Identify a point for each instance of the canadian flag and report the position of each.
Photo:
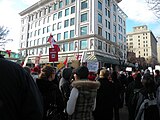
(66, 61)
(8, 52)
(52, 41)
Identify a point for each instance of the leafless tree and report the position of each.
(154, 5)
(3, 33)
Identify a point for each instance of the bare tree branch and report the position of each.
(154, 6)
(3, 34)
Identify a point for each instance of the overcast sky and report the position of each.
(137, 11)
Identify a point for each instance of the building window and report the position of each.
(106, 48)
(71, 21)
(65, 47)
(109, 25)
(55, 6)
(99, 31)
(72, 1)
(114, 17)
(44, 20)
(71, 46)
(60, 4)
(60, 14)
(59, 25)
(109, 36)
(106, 11)
(84, 17)
(99, 18)
(54, 27)
(66, 23)
(66, 11)
(83, 44)
(83, 5)
(114, 7)
(72, 9)
(106, 23)
(39, 31)
(114, 28)
(106, 35)
(40, 13)
(48, 29)
(99, 5)
(55, 16)
(114, 38)
(58, 36)
(71, 33)
(35, 32)
(109, 14)
(66, 2)
(66, 35)
(44, 30)
(99, 45)
(83, 30)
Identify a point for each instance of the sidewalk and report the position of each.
(123, 113)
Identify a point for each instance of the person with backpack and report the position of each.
(146, 107)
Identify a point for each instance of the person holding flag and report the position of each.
(52, 41)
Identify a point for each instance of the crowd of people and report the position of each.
(71, 94)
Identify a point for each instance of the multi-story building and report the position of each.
(97, 27)
(143, 43)
(158, 49)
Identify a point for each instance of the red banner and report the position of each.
(53, 55)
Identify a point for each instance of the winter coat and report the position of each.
(65, 85)
(51, 95)
(105, 100)
(84, 104)
(20, 98)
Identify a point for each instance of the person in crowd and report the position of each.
(35, 73)
(129, 78)
(118, 89)
(97, 74)
(157, 77)
(132, 89)
(105, 97)
(83, 95)
(148, 89)
(122, 78)
(27, 68)
(20, 98)
(65, 84)
(49, 90)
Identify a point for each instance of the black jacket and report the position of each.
(19, 96)
(105, 100)
(51, 95)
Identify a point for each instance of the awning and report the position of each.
(102, 59)
(70, 58)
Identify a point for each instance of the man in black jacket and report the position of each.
(19, 95)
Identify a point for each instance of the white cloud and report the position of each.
(11, 20)
(138, 10)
